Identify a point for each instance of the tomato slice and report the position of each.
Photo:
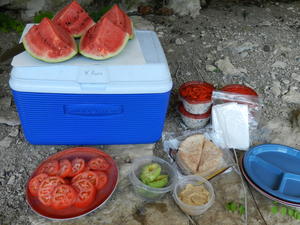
(65, 168)
(35, 183)
(89, 175)
(86, 193)
(46, 188)
(98, 163)
(51, 168)
(102, 179)
(63, 196)
(78, 165)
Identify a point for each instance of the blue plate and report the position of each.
(275, 169)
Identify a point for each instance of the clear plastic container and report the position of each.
(193, 120)
(146, 192)
(194, 180)
(196, 96)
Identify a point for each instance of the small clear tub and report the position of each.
(196, 96)
(194, 180)
(146, 192)
(193, 120)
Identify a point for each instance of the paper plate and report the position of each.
(73, 212)
(275, 169)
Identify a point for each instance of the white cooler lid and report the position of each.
(140, 68)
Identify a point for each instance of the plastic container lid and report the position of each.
(196, 92)
(239, 89)
(194, 116)
(275, 169)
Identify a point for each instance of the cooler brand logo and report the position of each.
(92, 76)
(93, 109)
(93, 73)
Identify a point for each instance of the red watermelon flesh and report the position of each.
(120, 19)
(74, 19)
(103, 40)
(49, 42)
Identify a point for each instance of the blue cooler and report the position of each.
(122, 100)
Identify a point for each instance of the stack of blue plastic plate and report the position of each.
(274, 171)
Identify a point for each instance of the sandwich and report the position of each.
(198, 155)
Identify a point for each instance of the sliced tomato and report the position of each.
(35, 183)
(78, 165)
(89, 175)
(65, 168)
(63, 196)
(98, 163)
(51, 168)
(86, 193)
(102, 179)
(46, 188)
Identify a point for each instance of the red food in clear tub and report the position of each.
(196, 96)
(194, 120)
(239, 89)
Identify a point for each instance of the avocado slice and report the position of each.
(160, 182)
(150, 172)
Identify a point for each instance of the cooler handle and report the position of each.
(93, 109)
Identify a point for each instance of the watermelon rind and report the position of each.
(132, 35)
(82, 52)
(46, 59)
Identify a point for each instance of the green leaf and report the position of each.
(283, 211)
(274, 209)
(291, 212)
(275, 203)
(295, 214)
(42, 14)
(298, 216)
(242, 210)
(234, 207)
(228, 206)
(96, 15)
(8, 24)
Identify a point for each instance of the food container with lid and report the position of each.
(196, 181)
(196, 96)
(193, 120)
(144, 191)
(239, 89)
(121, 100)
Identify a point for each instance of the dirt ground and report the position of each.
(262, 44)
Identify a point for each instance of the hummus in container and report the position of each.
(193, 120)
(194, 194)
(196, 96)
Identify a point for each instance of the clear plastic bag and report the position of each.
(217, 161)
(235, 119)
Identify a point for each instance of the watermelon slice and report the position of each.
(74, 19)
(120, 19)
(49, 42)
(103, 40)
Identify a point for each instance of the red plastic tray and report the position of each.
(102, 196)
